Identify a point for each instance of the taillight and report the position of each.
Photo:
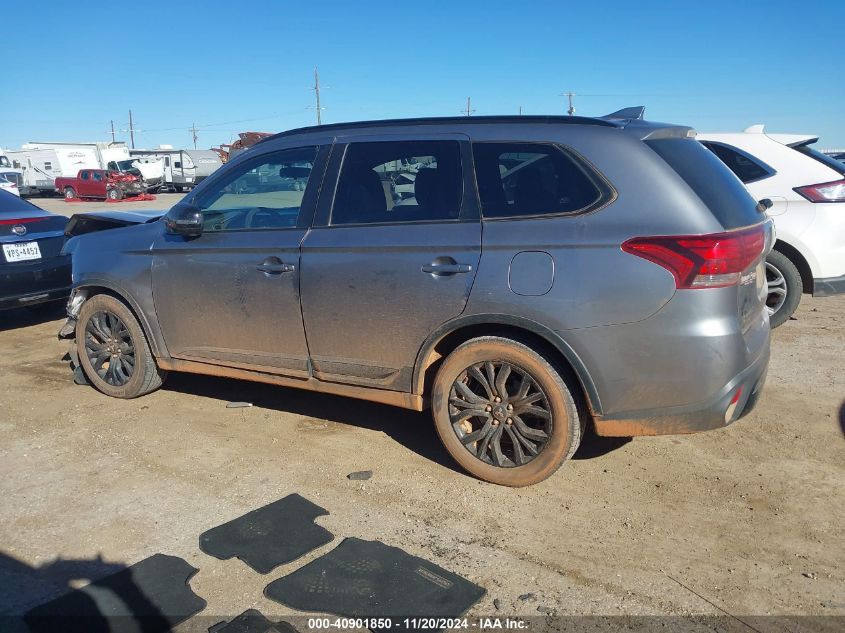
(703, 261)
(22, 221)
(824, 192)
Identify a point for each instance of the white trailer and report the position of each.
(41, 163)
(180, 172)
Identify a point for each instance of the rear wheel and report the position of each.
(70, 194)
(504, 413)
(113, 350)
(784, 286)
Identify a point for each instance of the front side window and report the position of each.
(97, 176)
(263, 193)
(399, 181)
(529, 179)
(742, 165)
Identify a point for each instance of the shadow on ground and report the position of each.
(28, 317)
(842, 417)
(413, 430)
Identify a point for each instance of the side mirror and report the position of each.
(764, 205)
(184, 219)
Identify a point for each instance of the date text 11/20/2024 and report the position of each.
(418, 623)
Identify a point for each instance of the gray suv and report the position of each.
(521, 276)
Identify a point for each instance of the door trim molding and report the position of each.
(395, 398)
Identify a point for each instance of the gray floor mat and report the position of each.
(252, 621)
(277, 533)
(152, 595)
(370, 579)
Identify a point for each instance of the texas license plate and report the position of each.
(21, 251)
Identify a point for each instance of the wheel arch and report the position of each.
(104, 286)
(794, 255)
(453, 333)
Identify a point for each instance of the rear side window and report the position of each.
(710, 179)
(746, 168)
(399, 181)
(531, 179)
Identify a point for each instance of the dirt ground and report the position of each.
(746, 521)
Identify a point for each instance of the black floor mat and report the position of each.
(252, 621)
(370, 579)
(265, 538)
(152, 595)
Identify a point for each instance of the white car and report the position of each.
(11, 187)
(807, 190)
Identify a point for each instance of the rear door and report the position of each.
(383, 266)
(231, 296)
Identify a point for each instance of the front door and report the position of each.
(231, 296)
(391, 259)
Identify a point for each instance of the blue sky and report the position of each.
(71, 67)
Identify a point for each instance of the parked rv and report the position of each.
(177, 172)
(41, 163)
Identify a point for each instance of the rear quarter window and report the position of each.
(744, 166)
(718, 188)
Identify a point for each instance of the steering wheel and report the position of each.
(250, 216)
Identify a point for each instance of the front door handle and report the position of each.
(445, 266)
(275, 266)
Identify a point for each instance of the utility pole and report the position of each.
(317, 93)
(131, 131)
(469, 109)
(194, 133)
(520, 110)
(112, 131)
(571, 109)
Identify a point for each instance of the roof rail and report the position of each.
(463, 120)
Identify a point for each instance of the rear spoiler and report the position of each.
(625, 114)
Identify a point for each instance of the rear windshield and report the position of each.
(710, 179)
(828, 161)
(10, 204)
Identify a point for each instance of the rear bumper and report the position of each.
(30, 284)
(717, 412)
(829, 286)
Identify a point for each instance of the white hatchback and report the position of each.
(807, 190)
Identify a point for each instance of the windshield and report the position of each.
(123, 165)
(4, 162)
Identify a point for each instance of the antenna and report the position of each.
(569, 94)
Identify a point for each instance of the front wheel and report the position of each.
(113, 350)
(784, 287)
(504, 413)
(115, 193)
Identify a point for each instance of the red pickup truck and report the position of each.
(100, 183)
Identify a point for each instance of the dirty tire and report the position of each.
(115, 193)
(566, 425)
(146, 376)
(781, 270)
(70, 194)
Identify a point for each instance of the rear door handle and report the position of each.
(446, 268)
(275, 266)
